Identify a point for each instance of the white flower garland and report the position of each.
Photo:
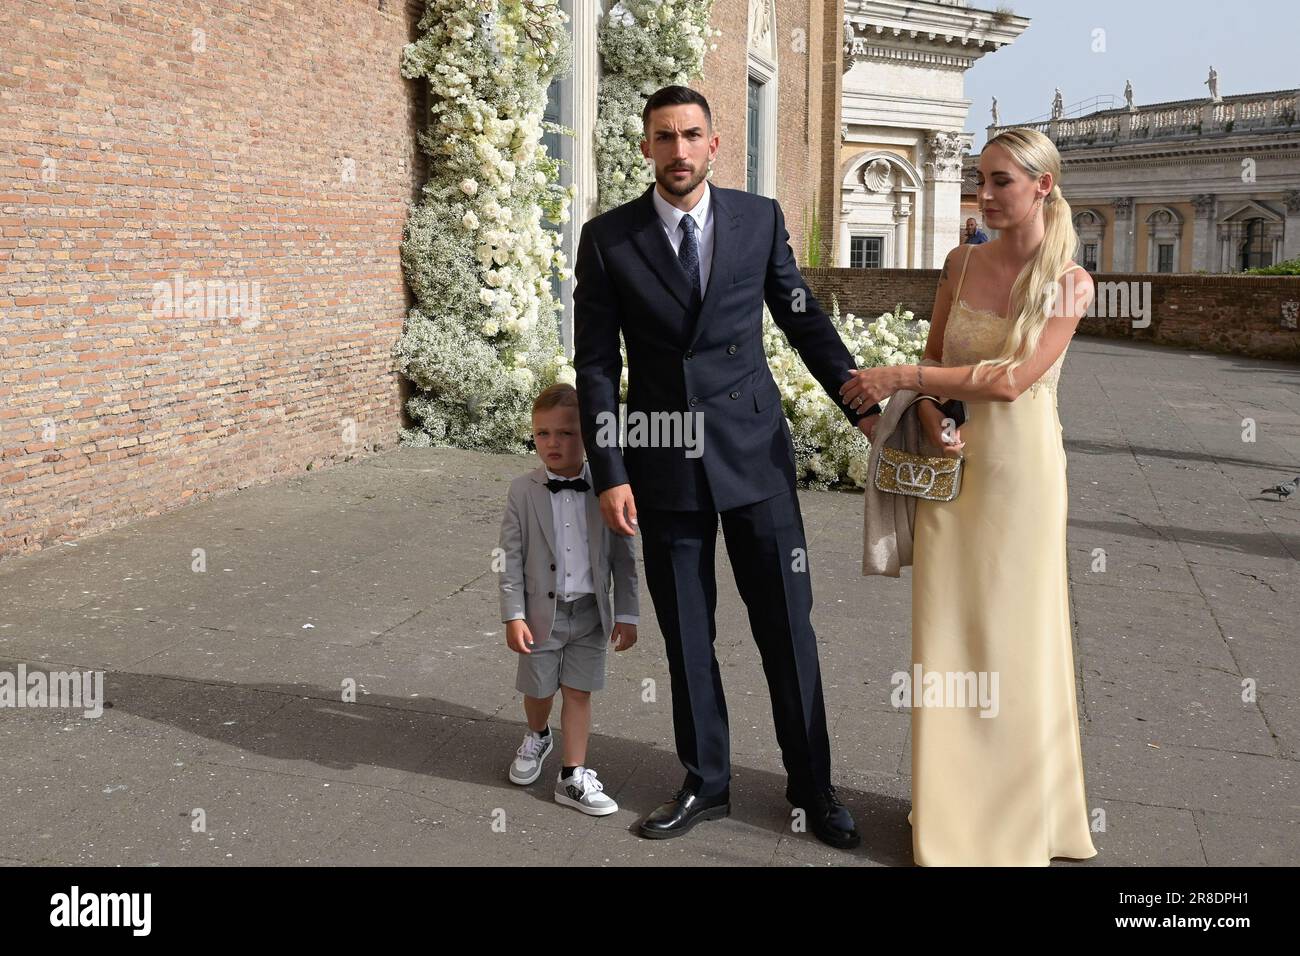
(483, 338)
(827, 449)
(644, 45)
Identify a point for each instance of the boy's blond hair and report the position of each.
(559, 395)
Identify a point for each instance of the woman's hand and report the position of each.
(932, 419)
(867, 386)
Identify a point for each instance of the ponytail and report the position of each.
(1034, 293)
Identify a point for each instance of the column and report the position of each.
(1203, 251)
(582, 83)
(1122, 247)
(942, 210)
(901, 216)
(1291, 238)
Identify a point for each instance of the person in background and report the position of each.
(974, 234)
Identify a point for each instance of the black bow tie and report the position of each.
(573, 484)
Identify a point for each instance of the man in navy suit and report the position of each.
(683, 272)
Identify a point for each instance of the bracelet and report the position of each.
(920, 382)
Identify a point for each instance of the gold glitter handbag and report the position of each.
(902, 472)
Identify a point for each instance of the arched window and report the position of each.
(1089, 227)
(1164, 240)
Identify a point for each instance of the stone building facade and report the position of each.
(903, 115)
(1206, 185)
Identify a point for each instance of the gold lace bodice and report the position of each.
(972, 335)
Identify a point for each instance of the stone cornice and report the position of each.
(936, 35)
(939, 24)
(944, 59)
(1171, 154)
(1113, 159)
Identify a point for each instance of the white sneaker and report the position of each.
(584, 792)
(527, 765)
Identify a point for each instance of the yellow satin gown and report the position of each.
(990, 593)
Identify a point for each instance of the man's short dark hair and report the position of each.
(675, 96)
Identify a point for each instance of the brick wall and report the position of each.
(264, 143)
(1230, 314)
(804, 133)
(868, 292)
(723, 85)
(832, 151)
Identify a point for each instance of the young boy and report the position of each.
(559, 559)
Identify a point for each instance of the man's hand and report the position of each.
(618, 509)
(518, 637)
(867, 424)
(623, 636)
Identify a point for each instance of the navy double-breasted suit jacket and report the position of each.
(707, 359)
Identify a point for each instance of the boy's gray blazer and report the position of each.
(528, 579)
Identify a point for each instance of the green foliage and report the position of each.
(812, 239)
(1288, 267)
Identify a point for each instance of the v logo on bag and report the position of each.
(915, 477)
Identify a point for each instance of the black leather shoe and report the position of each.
(682, 812)
(828, 819)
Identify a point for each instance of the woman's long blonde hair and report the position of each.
(1034, 293)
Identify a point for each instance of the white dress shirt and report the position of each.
(572, 559)
(702, 213)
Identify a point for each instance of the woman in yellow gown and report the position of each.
(997, 779)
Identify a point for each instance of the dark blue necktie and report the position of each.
(689, 256)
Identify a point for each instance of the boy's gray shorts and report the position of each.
(573, 654)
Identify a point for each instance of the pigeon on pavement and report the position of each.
(1285, 490)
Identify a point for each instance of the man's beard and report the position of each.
(681, 189)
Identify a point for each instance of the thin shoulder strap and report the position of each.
(964, 263)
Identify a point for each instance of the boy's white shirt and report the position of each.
(571, 529)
